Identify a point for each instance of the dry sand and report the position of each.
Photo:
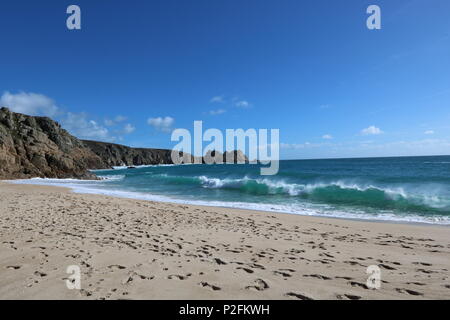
(130, 249)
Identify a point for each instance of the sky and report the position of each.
(312, 69)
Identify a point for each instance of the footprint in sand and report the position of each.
(219, 261)
(408, 291)
(387, 267)
(282, 273)
(318, 276)
(245, 269)
(13, 267)
(178, 276)
(116, 266)
(345, 278)
(257, 266)
(348, 297)
(423, 264)
(357, 284)
(298, 296)
(209, 286)
(260, 285)
(416, 283)
(133, 275)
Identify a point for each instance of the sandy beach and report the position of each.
(131, 249)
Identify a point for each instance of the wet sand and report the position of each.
(132, 249)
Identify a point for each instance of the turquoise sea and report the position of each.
(413, 189)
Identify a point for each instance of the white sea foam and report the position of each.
(429, 195)
(115, 177)
(139, 167)
(95, 187)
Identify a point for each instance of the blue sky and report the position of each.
(309, 68)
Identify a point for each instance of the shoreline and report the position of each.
(138, 249)
(210, 204)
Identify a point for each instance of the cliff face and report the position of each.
(39, 147)
(119, 155)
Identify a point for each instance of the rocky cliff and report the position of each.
(118, 155)
(39, 147)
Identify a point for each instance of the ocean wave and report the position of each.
(437, 162)
(344, 192)
(305, 209)
(339, 192)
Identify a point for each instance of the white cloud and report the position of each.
(162, 124)
(235, 101)
(217, 99)
(33, 104)
(117, 119)
(120, 118)
(294, 145)
(291, 146)
(80, 126)
(429, 132)
(217, 112)
(128, 128)
(109, 122)
(372, 130)
(403, 148)
(305, 146)
(327, 136)
(242, 104)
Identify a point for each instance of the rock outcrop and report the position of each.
(236, 156)
(39, 147)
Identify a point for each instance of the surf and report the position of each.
(399, 189)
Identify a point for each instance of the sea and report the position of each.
(400, 189)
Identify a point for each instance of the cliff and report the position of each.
(118, 155)
(39, 147)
